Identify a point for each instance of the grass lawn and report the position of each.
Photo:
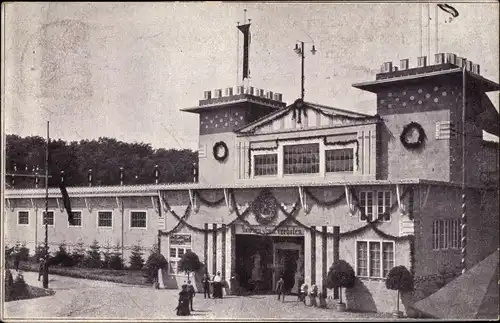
(133, 277)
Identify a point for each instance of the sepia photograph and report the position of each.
(250, 161)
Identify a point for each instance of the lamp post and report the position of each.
(301, 52)
(46, 267)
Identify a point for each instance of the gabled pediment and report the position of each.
(302, 115)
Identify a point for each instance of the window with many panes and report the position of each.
(446, 234)
(265, 164)
(23, 217)
(138, 219)
(104, 219)
(49, 217)
(375, 204)
(77, 219)
(339, 160)
(179, 244)
(374, 258)
(366, 205)
(301, 159)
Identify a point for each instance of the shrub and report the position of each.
(9, 281)
(116, 260)
(107, 256)
(24, 253)
(61, 257)
(19, 288)
(78, 255)
(136, 260)
(39, 252)
(154, 262)
(340, 275)
(93, 258)
(400, 279)
(189, 263)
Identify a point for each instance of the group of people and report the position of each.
(303, 291)
(186, 295)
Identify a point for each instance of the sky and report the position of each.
(124, 70)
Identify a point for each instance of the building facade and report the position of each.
(285, 190)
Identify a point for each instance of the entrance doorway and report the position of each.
(261, 260)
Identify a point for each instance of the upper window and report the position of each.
(137, 219)
(49, 218)
(339, 160)
(374, 258)
(380, 207)
(23, 217)
(301, 159)
(366, 204)
(266, 164)
(104, 219)
(77, 219)
(384, 205)
(446, 234)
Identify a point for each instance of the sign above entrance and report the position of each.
(180, 239)
(261, 229)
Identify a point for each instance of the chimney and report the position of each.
(262, 93)
(461, 61)
(229, 91)
(476, 69)
(240, 90)
(269, 95)
(386, 67)
(207, 95)
(468, 66)
(404, 64)
(451, 58)
(251, 90)
(217, 93)
(422, 61)
(395, 69)
(439, 59)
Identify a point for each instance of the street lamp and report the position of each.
(300, 51)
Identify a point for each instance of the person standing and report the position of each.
(41, 267)
(192, 293)
(303, 292)
(280, 289)
(17, 260)
(217, 286)
(206, 286)
(183, 305)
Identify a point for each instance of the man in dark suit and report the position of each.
(192, 292)
(280, 289)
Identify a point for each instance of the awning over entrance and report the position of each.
(472, 295)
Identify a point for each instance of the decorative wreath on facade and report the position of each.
(265, 208)
(220, 151)
(412, 136)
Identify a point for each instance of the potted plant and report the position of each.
(340, 275)
(189, 263)
(401, 280)
(155, 262)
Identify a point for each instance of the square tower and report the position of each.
(421, 108)
(220, 114)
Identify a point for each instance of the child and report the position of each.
(303, 292)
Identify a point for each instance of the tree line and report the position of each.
(104, 156)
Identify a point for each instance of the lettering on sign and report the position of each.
(180, 239)
(282, 231)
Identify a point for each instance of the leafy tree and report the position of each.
(189, 263)
(340, 275)
(93, 259)
(154, 262)
(61, 257)
(400, 279)
(136, 260)
(116, 260)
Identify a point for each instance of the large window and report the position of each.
(374, 258)
(266, 164)
(49, 218)
(301, 159)
(179, 244)
(446, 234)
(77, 219)
(23, 217)
(366, 204)
(339, 160)
(138, 219)
(105, 219)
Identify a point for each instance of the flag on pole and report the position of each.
(449, 9)
(66, 202)
(245, 29)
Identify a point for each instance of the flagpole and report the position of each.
(463, 241)
(428, 32)
(46, 267)
(420, 30)
(436, 24)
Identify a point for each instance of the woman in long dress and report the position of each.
(183, 306)
(217, 286)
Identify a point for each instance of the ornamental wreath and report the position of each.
(265, 208)
(406, 130)
(220, 144)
